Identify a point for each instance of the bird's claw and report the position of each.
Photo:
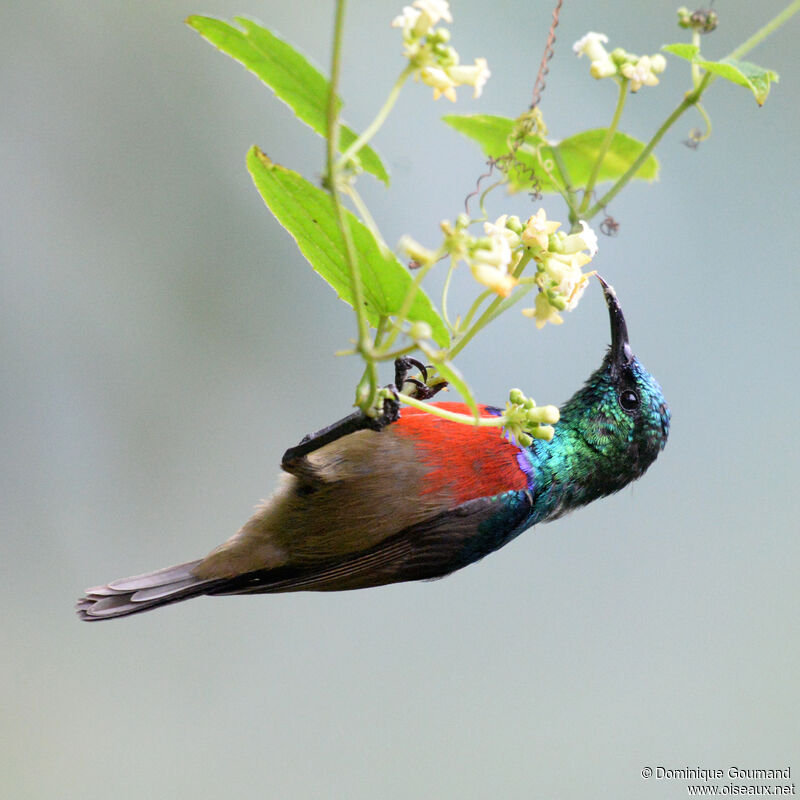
(403, 365)
(390, 412)
(420, 388)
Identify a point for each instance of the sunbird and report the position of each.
(421, 496)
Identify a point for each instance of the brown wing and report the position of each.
(359, 492)
(429, 549)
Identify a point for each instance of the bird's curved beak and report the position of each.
(621, 353)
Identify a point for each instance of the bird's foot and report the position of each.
(414, 387)
(292, 460)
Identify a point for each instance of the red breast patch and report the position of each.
(464, 461)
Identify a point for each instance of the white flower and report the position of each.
(435, 10)
(640, 74)
(476, 75)
(415, 251)
(497, 254)
(538, 229)
(658, 63)
(407, 20)
(585, 240)
(563, 276)
(499, 229)
(575, 291)
(543, 312)
(590, 238)
(490, 264)
(592, 45)
(498, 280)
(440, 82)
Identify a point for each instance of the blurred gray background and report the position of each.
(163, 342)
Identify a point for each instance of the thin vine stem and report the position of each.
(487, 315)
(367, 386)
(561, 166)
(766, 30)
(376, 123)
(408, 301)
(473, 309)
(445, 291)
(366, 216)
(607, 139)
(688, 101)
(453, 416)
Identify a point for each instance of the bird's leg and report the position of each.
(293, 460)
(419, 388)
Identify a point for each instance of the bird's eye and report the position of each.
(629, 399)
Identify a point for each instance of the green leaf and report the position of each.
(287, 72)
(578, 153)
(492, 133)
(682, 50)
(742, 73)
(308, 214)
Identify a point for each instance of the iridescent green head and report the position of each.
(619, 418)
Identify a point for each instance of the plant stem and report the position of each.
(537, 153)
(688, 101)
(445, 292)
(762, 33)
(481, 298)
(696, 76)
(464, 419)
(487, 315)
(365, 395)
(513, 299)
(381, 330)
(610, 131)
(376, 123)
(366, 216)
(408, 301)
(565, 177)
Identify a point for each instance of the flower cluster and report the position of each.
(493, 259)
(525, 421)
(639, 70)
(559, 259)
(426, 47)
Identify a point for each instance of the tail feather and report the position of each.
(142, 592)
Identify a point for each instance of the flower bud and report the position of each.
(513, 223)
(545, 432)
(619, 55)
(544, 414)
(557, 301)
(420, 330)
(603, 68)
(658, 63)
